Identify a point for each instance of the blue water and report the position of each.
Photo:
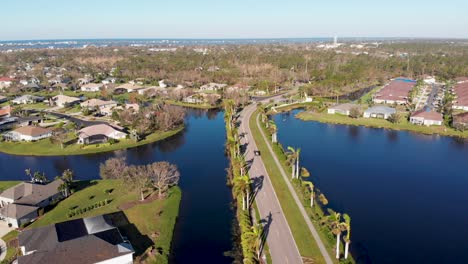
(203, 230)
(407, 194)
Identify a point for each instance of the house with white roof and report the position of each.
(92, 87)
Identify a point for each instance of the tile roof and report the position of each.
(397, 89)
(100, 129)
(428, 115)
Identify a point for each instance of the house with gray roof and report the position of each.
(380, 111)
(19, 204)
(27, 99)
(343, 109)
(86, 240)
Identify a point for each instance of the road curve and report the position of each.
(283, 248)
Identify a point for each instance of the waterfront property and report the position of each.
(28, 133)
(426, 117)
(99, 134)
(460, 121)
(343, 109)
(86, 240)
(213, 87)
(461, 95)
(127, 88)
(19, 204)
(380, 111)
(396, 92)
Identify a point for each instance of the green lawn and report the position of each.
(7, 184)
(146, 219)
(200, 106)
(11, 251)
(380, 123)
(46, 148)
(304, 239)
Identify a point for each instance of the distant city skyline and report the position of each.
(210, 19)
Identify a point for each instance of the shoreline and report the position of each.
(152, 138)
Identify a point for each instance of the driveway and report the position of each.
(4, 229)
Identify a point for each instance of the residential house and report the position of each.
(28, 133)
(3, 99)
(86, 241)
(29, 120)
(27, 99)
(19, 204)
(99, 134)
(152, 91)
(91, 87)
(461, 95)
(343, 109)
(5, 82)
(109, 80)
(426, 117)
(379, 112)
(98, 104)
(31, 87)
(5, 111)
(64, 100)
(396, 92)
(194, 99)
(460, 121)
(129, 88)
(212, 87)
(85, 80)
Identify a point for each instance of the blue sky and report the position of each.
(65, 19)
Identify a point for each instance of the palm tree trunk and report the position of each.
(312, 200)
(243, 202)
(273, 138)
(346, 250)
(248, 198)
(338, 246)
(293, 167)
(142, 194)
(297, 167)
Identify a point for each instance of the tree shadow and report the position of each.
(140, 242)
(266, 222)
(81, 185)
(257, 184)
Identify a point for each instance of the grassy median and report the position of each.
(304, 239)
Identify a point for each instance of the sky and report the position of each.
(81, 19)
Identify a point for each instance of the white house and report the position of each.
(343, 109)
(427, 118)
(97, 104)
(99, 134)
(129, 88)
(63, 100)
(109, 80)
(5, 82)
(28, 133)
(212, 87)
(379, 112)
(91, 87)
(27, 99)
(85, 240)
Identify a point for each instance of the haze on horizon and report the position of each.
(56, 19)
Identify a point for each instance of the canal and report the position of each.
(407, 194)
(203, 230)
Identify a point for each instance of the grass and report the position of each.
(304, 240)
(151, 224)
(46, 148)
(380, 123)
(200, 106)
(11, 251)
(7, 184)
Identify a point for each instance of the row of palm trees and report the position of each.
(334, 219)
(251, 235)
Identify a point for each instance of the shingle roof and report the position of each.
(428, 115)
(397, 89)
(100, 129)
(344, 107)
(27, 193)
(74, 241)
(32, 131)
(381, 109)
(17, 211)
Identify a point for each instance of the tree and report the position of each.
(113, 168)
(336, 226)
(138, 177)
(255, 239)
(59, 138)
(394, 118)
(163, 175)
(354, 112)
(67, 178)
(242, 188)
(291, 159)
(273, 131)
(39, 177)
(311, 190)
(347, 226)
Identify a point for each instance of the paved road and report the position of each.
(283, 248)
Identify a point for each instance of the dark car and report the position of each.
(257, 152)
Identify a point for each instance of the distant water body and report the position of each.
(81, 43)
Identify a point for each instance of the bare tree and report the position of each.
(113, 168)
(163, 175)
(137, 177)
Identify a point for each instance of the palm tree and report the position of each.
(67, 178)
(255, 239)
(39, 177)
(263, 112)
(242, 188)
(273, 131)
(311, 190)
(291, 160)
(347, 226)
(294, 161)
(29, 174)
(336, 228)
